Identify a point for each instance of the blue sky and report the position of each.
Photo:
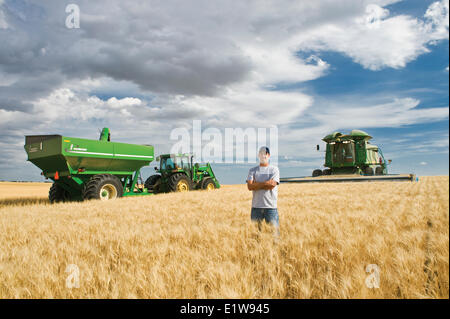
(310, 68)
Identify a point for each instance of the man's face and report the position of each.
(263, 157)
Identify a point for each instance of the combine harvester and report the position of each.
(351, 158)
(83, 169)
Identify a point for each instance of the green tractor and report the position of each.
(178, 173)
(352, 154)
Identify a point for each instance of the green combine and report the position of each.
(351, 158)
(352, 154)
(84, 169)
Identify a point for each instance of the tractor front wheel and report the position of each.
(153, 184)
(58, 194)
(179, 183)
(316, 173)
(208, 184)
(103, 187)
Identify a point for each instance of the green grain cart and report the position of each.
(352, 154)
(85, 169)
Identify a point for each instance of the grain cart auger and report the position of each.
(351, 158)
(178, 173)
(83, 169)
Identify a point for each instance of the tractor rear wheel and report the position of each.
(58, 194)
(379, 170)
(317, 172)
(208, 184)
(103, 187)
(153, 183)
(368, 171)
(179, 183)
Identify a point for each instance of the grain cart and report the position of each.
(83, 169)
(351, 158)
(178, 173)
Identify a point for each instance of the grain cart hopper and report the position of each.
(84, 169)
(350, 158)
(178, 173)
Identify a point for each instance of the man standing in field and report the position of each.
(263, 181)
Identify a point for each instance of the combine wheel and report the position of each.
(153, 183)
(208, 184)
(317, 172)
(326, 171)
(379, 170)
(103, 187)
(58, 194)
(368, 171)
(179, 183)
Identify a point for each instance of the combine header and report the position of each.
(351, 158)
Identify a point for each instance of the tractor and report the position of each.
(178, 173)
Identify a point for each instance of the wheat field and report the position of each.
(202, 244)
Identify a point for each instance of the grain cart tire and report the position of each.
(103, 187)
(208, 184)
(379, 170)
(179, 183)
(317, 172)
(153, 183)
(58, 194)
(326, 171)
(368, 171)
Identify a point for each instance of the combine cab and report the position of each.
(178, 173)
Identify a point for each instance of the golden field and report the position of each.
(202, 244)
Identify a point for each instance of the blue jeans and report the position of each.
(270, 215)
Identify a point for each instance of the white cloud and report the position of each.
(376, 40)
(423, 163)
(438, 16)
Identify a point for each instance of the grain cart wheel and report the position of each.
(179, 183)
(326, 171)
(208, 184)
(317, 172)
(153, 184)
(379, 170)
(368, 171)
(58, 194)
(103, 187)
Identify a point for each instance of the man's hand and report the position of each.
(267, 185)
(270, 184)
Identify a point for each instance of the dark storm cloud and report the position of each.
(115, 40)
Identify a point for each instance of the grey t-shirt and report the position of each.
(264, 198)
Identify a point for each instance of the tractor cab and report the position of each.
(173, 163)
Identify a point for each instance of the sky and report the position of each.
(307, 67)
